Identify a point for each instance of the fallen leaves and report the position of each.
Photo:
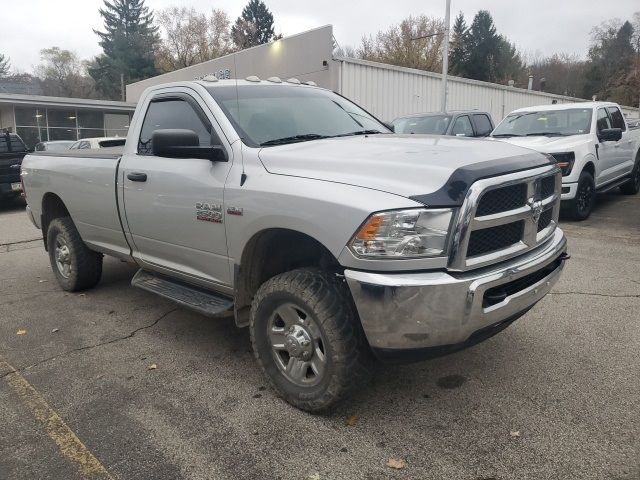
(21, 332)
(55, 330)
(153, 366)
(351, 421)
(396, 463)
(514, 433)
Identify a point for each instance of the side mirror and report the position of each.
(178, 143)
(610, 135)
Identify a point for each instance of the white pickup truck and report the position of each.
(590, 141)
(334, 240)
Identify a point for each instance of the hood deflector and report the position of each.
(453, 192)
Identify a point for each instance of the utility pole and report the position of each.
(445, 57)
(122, 86)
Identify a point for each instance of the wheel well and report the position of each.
(274, 251)
(52, 207)
(591, 168)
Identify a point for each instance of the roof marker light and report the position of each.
(252, 78)
(293, 80)
(210, 78)
(311, 84)
(274, 79)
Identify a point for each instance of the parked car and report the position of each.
(53, 146)
(331, 238)
(12, 151)
(590, 141)
(98, 142)
(633, 123)
(459, 123)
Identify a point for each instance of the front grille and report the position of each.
(506, 216)
(502, 199)
(547, 186)
(497, 294)
(545, 219)
(494, 238)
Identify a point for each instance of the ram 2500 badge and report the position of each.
(334, 240)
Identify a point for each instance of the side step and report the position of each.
(203, 301)
(612, 185)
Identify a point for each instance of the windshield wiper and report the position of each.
(293, 139)
(359, 132)
(545, 134)
(505, 135)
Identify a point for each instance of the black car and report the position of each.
(463, 123)
(12, 151)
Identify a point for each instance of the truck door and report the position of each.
(608, 152)
(174, 208)
(625, 160)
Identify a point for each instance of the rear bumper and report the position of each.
(7, 191)
(418, 315)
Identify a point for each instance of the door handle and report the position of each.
(137, 176)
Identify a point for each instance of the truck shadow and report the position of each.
(13, 204)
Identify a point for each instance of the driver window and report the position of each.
(462, 126)
(603, 121)
(173, 113)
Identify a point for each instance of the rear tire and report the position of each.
(308, 340)
(633, 185)
(581, 206)
(75, 266)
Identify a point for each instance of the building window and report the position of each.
(116, 124)
(31, 117)
(63, 134)
(32, 135)
(91, 119)
(62, 118)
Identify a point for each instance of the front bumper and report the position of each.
(417, 315)
(569, 191)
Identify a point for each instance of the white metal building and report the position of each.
(385, 90)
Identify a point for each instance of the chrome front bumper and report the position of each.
(416, 311)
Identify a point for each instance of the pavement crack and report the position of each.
(19, 242)
(95, 345)
(608, 295)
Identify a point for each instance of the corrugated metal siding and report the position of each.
(389, 92)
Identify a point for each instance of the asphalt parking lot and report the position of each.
(555, 396)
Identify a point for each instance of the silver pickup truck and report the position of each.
(336, 241)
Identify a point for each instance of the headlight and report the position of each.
(404, 234)
(565, 161)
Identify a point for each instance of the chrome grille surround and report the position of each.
(530, 212)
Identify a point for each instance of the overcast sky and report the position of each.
(543, 26)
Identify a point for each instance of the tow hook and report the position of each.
(564, 257)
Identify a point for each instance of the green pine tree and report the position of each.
(5, 66)
(458, 55)
(128, 43)
(254, 26)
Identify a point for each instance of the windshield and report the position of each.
(58, 147)
(552, 123)
(432, 124)
(266, 115)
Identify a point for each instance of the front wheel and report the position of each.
(307, 338)
(580, 207)
(633, 185)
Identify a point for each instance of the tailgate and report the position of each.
(10, 167)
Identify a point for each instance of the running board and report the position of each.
(203, 301)
(611, 186)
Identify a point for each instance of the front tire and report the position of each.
(581, 206)
(633, 185)
(74, 265)
(308, 340)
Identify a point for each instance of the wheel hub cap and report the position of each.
(298, 343)
(63, 257)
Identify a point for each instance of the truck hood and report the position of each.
(548, 144)
(406, 165)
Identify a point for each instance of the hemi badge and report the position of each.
(234, 211)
